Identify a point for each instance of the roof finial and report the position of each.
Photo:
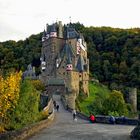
(56, 20)
(70, 19)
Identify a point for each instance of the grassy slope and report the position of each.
(94, 90)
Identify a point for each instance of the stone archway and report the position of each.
(56, 89)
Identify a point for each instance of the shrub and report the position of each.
(115, 103)
(114, 113)
(38, 85)
(27, 109)
(93, 103)
(97, 106)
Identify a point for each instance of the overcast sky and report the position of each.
(21, 18)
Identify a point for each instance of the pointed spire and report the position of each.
(70, 19)
(46, 28)
(44, 33)
(44, 36)
(69, 59)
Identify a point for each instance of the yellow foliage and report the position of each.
(38, 85)
(9, 94)
(1, 129)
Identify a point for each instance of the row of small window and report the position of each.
(80, 75)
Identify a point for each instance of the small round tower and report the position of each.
(133, 98)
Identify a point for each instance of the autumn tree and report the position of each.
(9, 95)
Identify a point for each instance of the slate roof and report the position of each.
(68, 52)
(53, 28)
(71, 32)
(29, 73)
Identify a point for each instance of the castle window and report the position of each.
(85, 60)
(63, 73)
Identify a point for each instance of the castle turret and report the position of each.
(133, 98)
(47, 33)
(53, 31)
(44, 36)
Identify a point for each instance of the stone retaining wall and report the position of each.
(105, 119)
(49, 108)
(32, 129)
(118, 120)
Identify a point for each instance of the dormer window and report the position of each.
(69, 67)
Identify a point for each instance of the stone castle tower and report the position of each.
(133, 98)
(64, 60)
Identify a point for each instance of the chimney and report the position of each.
(60, 30)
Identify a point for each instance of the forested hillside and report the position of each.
(17, 55)
(114, 55)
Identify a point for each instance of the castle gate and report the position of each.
(56, 86)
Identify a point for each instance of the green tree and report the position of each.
(123, 67)
(27, 109)
(106, 70)
(111, 43)
(115, 103)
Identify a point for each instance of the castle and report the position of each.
(64, 62)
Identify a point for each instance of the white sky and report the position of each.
(21, 18)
